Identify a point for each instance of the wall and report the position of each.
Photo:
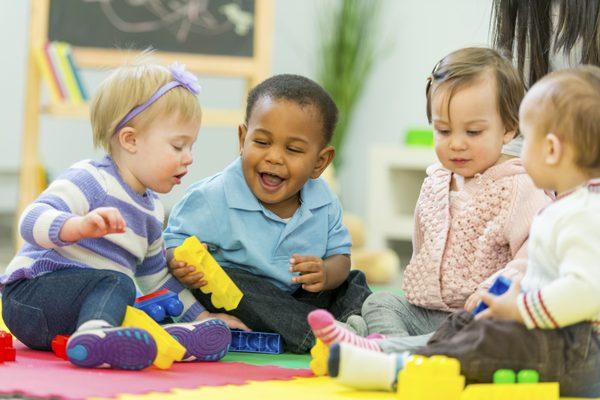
(421, 31)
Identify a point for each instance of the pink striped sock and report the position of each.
(324, 327)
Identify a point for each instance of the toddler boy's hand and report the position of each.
(312, 273)
(231, 321)
(186, 274)
(97, 223)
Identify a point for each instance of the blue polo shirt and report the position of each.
(241, 233)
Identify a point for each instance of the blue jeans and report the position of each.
(57, 303)
(266, 308)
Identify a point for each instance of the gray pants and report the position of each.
(406, 326)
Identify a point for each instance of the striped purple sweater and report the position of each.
(138, 253)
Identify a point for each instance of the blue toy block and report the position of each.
(500, 286)
(160, 305)
(255, 342)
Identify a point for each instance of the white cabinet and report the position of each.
(394, 180)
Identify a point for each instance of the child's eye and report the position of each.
(473, 133)
(177, 148)
(260, 142)
(295, 150)
(443, 132)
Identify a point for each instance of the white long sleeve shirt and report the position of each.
(562, 284)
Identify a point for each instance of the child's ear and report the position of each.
(128, 139)
(508, 136)
(242, 131)
(326, 156)
(553, 149)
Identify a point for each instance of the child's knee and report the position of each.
(123, 283)
(386, 300)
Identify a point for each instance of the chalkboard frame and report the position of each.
(254, 68)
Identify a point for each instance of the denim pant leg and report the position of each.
(36, 310)
(570, 356)
(108, 299)
(266, 308)
(344, 301)
(350, 296)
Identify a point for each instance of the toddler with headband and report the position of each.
(94, 235)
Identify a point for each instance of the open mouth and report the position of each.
(270, 181)
(179, 177)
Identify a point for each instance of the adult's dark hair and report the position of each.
(300, 90)
(524, 31)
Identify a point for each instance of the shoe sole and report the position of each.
(206, 341)
(127, 348)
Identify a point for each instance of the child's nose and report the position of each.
(274, 156)
(457, 142)
(187, 158)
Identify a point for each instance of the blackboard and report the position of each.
(207, 27)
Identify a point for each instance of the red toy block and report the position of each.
(7, 351)
(59, 346)
(8, 354)
(5, 339)
(152, 295)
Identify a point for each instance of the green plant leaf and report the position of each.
(347, 54)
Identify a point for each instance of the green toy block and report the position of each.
(505, 376)
(528, 376)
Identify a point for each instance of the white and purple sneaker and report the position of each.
(119, 348)
(206, 340)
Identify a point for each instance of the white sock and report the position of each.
(365, 369)
(93, 324)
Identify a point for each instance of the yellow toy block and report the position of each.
(225, 294)
(168, 348)
(433, 378)
(319, 355)
(512, 391)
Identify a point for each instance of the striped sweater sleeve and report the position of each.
(73, 193)
(153, 275)
(573, 297)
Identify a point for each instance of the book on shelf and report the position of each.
(76, 74)
(54, 72)
(59, 71)
(47, 74)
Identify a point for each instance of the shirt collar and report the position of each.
(314, 194)
(593, 185)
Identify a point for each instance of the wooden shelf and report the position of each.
(210, 117)
(396, 174)
(66, 110)
(399, 227)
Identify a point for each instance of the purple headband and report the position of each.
(181, 77)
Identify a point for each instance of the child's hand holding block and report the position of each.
(225, 294)
(500, 286)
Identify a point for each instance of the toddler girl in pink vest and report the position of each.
(474, 211)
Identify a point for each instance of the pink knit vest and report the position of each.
(479, 247)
